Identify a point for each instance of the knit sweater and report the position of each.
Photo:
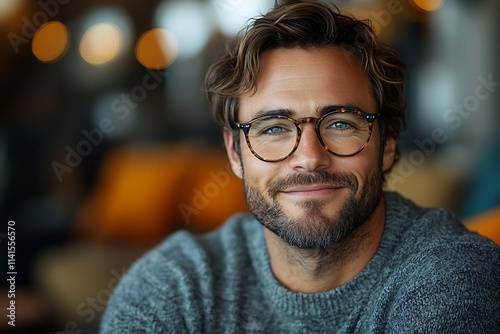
(429, 275)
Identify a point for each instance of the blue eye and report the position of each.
(341, 125)
(274, 130)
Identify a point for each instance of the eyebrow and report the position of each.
(273, 112)
(291, 113)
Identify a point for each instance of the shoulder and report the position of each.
(450, 286)
(445, 278)
(430, 243)
(449, 290)
(413, 228)
(473, 259)
(187, 251)
(193, 252)
(170, 286)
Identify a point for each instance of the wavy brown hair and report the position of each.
(307, 24)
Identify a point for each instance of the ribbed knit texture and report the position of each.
(429, 275)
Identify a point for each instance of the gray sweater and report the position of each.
(429, 275)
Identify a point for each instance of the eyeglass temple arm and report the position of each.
(371, 117)
(245, 127)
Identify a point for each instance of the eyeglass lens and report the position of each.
(342, 133)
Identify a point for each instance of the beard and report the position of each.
(315, 230)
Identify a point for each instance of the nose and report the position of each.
(310, 155)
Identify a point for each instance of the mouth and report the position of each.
(312, 191)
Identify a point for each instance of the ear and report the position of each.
(233, 156)
(389, 153)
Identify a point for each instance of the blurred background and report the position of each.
(107, 144)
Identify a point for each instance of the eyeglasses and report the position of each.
(342, 132)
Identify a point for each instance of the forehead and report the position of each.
(306, 80)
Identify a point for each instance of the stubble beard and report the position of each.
(314, 230)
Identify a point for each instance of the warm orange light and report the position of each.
(429, 5)
(156, 48)
(50, 42)
(100, 44)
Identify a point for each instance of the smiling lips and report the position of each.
(311, 191)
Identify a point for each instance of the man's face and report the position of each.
(312, 199)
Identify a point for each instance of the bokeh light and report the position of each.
(101, 44)
(232, 15)
(189, 22)
(157, 48)
(50, 42)
(429, 5)
(8, 7)
(106, 33)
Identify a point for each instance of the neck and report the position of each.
(318, 270)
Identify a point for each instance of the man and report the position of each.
(311, 106)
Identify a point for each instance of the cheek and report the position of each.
(256, 173)
(363, 164)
